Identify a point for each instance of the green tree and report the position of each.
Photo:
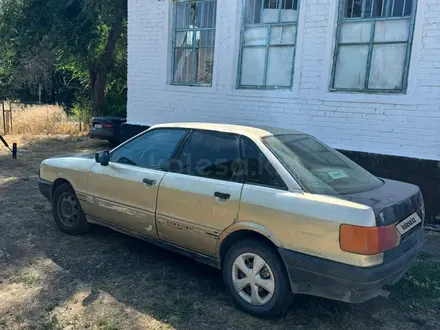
(82, 37)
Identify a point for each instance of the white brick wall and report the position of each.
(404, 125)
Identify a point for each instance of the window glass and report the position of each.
(373, 47)
(318, 168)
(210, 155)
(257, 169)
(268, 45)
(151, 150)
(193, 41)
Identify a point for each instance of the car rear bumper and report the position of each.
(45, 188)
(334, 280)
(102, 134)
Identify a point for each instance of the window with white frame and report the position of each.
(373, 45)
(193, 42)
(268, 43)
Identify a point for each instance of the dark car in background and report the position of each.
(114, 129)
(107, 128)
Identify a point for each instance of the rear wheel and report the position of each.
(67, 211)
(256, 279)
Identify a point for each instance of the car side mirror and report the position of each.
(102, 158)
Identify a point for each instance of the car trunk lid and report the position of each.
(392, 202)
(107, 122)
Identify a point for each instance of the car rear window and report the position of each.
(319, 168)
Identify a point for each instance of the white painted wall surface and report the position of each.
(404, 125)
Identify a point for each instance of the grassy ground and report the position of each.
(106, 280)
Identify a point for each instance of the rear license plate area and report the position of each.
(409, 223)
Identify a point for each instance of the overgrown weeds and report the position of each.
(41, 120)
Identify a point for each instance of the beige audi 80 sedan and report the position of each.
(279, 212)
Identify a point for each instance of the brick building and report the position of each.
(361, 75)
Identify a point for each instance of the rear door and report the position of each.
(200, 195)
(124, 193)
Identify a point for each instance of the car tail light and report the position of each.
(107, 125)
(368, 240)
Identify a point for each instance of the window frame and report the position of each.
(175, 30)
(186, 131)
(409, 42)
(237, 178)
(267, 46)
(282, 185)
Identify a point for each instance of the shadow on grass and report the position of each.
(164, 286)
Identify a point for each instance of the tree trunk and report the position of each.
(98, 81)
(98, 73)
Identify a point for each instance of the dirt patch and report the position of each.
(106, 280)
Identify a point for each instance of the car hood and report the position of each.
(86, 156)
(392, 202)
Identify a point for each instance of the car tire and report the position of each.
(67, 211)
(266, 304)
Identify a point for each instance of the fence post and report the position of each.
(7, 122)
(10, 118)
(14, 150)
(4, 119)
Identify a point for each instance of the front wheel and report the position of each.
(67, 211)
(256, 279)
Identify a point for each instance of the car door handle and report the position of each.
(222, 195)
(149, 182)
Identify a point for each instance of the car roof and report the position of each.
(250, 131)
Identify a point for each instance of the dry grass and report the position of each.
(41, 120)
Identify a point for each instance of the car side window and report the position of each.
(151, 150)
(209, 154)
(257, 169)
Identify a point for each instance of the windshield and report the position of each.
(318, 168)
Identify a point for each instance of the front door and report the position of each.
(124, 193)
(199, 198)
